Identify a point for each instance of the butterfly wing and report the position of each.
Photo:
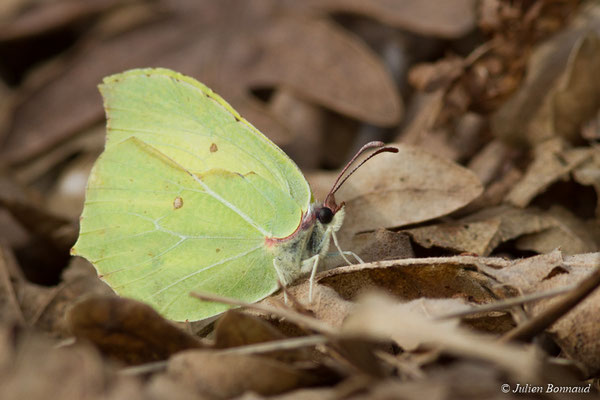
(183, 197)
(189, 123)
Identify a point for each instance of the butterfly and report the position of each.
(189, 196)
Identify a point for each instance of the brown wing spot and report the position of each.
(178, 202)
(213, 148)
(217, 250)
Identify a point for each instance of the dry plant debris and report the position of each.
(480, 239)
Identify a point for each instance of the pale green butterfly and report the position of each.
(188, 196)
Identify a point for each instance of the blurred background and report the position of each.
(479, 82)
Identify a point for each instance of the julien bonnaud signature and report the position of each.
(548, 388)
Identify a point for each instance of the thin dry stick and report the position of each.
(274, 345)
(286, 313)
(507, 303)
(147, 368)
(284, 344)
(543, 320)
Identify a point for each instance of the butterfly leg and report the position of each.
(353, 254)
(282, 280)
(311, 264)
(344, 253)
(311, 280)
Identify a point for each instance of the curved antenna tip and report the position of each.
(382, 148)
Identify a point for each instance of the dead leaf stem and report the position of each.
(286, 313)
(545, 319)
(507, 303)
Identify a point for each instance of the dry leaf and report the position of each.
(327, 305)
(162, 387)
(576, 332)
(223, 376)
(411, 186)
(552, 161)
(381, 245)
(489, 162)
(37, 371)
(236, 328)
(410, 327)
(463, 237)
(514, 223)
(127, 330)
(46, 307)
(569, 234)
(441, 277)
(536, 230)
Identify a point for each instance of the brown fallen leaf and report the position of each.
(306, 121)
(327, 305)
(410, 326)
(161, 386)
(127, 330)
(423, 113)
(381, 245)
(464, 237)
(435, 277)
(576, 332)
(35, 370)
(236, 328)
(46, 307)
(552, 161)
(514, 222)
(221, 376)
(568, 233)
(535, 230)
(489, 162)
(411, 186)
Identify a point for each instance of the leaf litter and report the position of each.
(480, 238)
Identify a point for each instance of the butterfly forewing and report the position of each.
(184, 196)
(191, 124)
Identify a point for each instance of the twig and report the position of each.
(507, 303)
(546, 318)
(284, 344)
(286, 313)
(144, 368)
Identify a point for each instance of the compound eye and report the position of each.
(325, 215)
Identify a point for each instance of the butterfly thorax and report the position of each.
(310, 239)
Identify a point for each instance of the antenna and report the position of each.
(330, 199)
